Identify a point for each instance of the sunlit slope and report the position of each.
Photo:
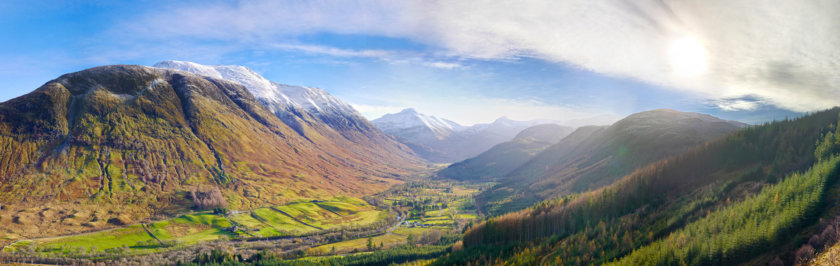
(593, 157)
(656, 201)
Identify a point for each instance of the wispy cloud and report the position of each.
(332, 51)
(784, 52)
(444, 65)
(737, 104)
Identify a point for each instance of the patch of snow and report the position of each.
(274, 95)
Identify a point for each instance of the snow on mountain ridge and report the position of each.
(275, 95)
(444, 141)
(410, 118)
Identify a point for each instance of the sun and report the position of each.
(687, 57)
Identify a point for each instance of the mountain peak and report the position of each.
(410, 119)
(408, 111)
(502, 119)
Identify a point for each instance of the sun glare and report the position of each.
(687, 57)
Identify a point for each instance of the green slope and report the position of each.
(594, 157)
(663, 198)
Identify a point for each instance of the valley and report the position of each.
(420, 133)
(416, 213)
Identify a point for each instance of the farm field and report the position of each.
(293, 219)
(432, 211)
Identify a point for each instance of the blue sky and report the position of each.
(468, 61)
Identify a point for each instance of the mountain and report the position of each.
(118, 144)
(410, 124)
(295, 105)
(593, 157)
(443, 141)
(505, 157)
(311, 112)
(763, 195)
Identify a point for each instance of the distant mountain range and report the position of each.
(596, 156)
(503, 158)
(128, 141)
(443, 141)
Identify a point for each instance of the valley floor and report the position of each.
(412, 213)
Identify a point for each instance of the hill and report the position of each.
(505, 157)
(117, 144)
(593, 157)
(745, 198)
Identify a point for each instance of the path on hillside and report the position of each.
(296, 219)
(153, 235)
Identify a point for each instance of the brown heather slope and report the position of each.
(127, 142)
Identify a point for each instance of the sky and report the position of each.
(576, 61)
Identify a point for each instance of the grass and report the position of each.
(396, 238)
(280, 222)
(194, 228)
(128, 236)
(360, 244)
(467, 216)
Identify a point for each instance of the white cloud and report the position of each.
(392, 56)
(783, 52)
(736, 104)
(444, 65)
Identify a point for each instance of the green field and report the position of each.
(360, 244)
(293, 219)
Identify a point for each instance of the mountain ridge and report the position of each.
(507, 156)
(593, 157)
(128, 141)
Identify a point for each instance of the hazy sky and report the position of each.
(468, 61)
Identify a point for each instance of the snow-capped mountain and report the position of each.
(311, 112)
(275, 95)
(441, 140)
(291, 103)
(410, 119)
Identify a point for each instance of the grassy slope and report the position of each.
(593, 157)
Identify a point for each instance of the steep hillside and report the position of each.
(443, 141)
(505, 157)
(594, 157)
(117, 144)
(313, 113)
(747, 197)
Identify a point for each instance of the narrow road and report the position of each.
(401, 219)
